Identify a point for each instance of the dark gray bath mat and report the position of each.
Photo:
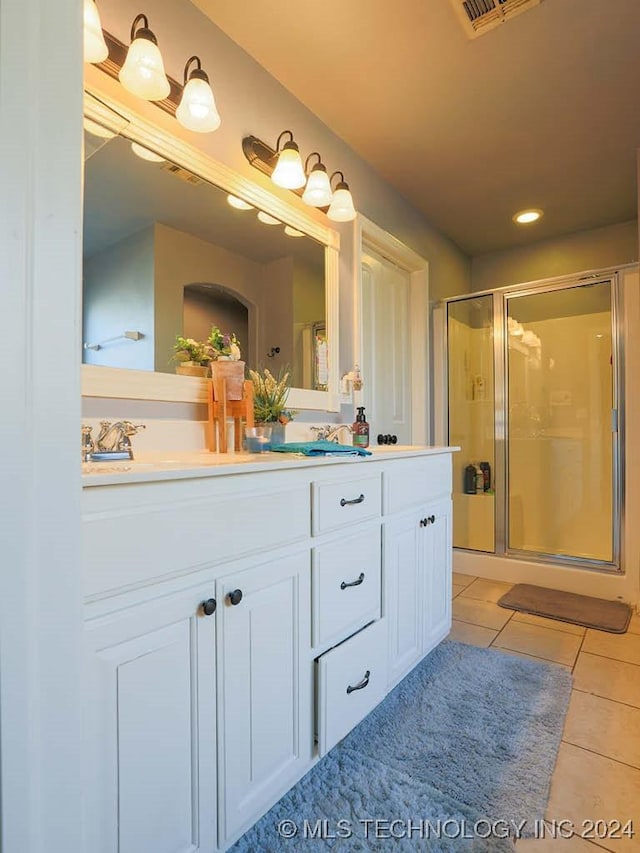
(612, 616)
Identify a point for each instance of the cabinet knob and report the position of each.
(423, 522)
(432, 519)
(209, 606)
(235, 597)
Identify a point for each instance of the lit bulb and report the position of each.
(197, 108)
(143, 71)
(341, 208)
(318, 193)
(266, 219)
(146, 154)
(288, 172)
(95, 47)
(239, 203)
(526, 217)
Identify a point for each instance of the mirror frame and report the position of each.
(99, 381)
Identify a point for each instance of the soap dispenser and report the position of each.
(360, 429)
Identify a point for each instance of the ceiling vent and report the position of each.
(183, 174)
(480, 16)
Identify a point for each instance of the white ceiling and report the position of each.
(543, 111)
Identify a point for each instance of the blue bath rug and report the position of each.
(461, 751)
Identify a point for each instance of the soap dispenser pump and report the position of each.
(360, 429)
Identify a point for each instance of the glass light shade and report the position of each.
(267, 219)
(143, 71)
(146, 154)
(97, 129)
(318, 193)
(288, 172)
(95, 47)
(292, 232)
(239, 203)
(341, 208)
(197, 108)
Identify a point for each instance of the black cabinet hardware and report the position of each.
(361, 684)
(345, 502)
(235, 597)
(209, 606)
(357, 582)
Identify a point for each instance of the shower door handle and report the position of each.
(614, 420)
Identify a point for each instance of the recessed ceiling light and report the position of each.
(97, 129)
(146, 154)
(292, 232)
(239, 203)
(268, 220)
(526, 217)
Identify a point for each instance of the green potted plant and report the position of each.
(270, 395)
(226, 361)
(192, 357)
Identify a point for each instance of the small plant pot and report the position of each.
(189, 368)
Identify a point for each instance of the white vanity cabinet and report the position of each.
(417, 559)
(331, 579)
(264, 708)
(150, 723)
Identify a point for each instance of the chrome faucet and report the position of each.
(113, 441)
(331, 432)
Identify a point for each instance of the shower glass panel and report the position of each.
(471, 384)
(560, 393)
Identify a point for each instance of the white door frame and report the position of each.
(40, 577)
(369, 234)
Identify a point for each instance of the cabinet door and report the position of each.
(435, 553)
(403, 588)
(150, 728)
(265, 724)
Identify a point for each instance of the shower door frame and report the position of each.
(500, 298)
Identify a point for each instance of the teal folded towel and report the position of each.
(320, 448)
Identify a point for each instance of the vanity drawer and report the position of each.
(339, 503)
(351, 681)
(346, 586)
(413, 481)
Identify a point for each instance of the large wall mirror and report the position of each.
(175, 243)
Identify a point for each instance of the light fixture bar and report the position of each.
(114, 62)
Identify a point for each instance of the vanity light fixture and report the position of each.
(143, 71)
(288, 172)
(317, 192)
(146, 153)
(197, 108)
(292, 232)
(341, 208)
(238, 203)
(95, 47)
(267, 219)
(526, 217)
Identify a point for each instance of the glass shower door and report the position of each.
(560, 416)
(471, 394)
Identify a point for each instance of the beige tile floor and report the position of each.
(597, 775)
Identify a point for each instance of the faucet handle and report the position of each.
(132, 429)
(321, 431)
(87, 444)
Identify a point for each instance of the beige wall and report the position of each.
(250, 101)
(585, 250)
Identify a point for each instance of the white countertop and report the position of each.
(180, 465)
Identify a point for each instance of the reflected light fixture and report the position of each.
(288, 172)
(197, 108)
(267, 219)
(526, 217)
(143, 71)
(146, 153)
(341, 208)
(238, 203)
(95, 47)
(292, 232)
(318, 190)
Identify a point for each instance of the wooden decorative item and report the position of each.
(221, 409)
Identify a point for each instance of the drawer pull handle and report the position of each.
(209, 606)
(235, 597)
(345, 502)
(361, 684)
(357, 582)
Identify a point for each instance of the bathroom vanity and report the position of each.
(242, 614)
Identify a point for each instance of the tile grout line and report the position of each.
(601, 755)
(606, 698)
(608, 657)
